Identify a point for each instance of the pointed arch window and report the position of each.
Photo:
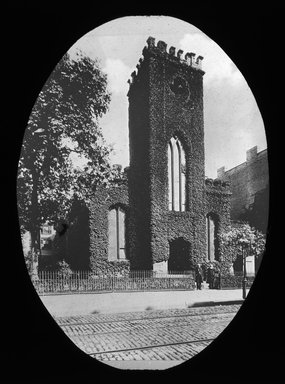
(116, 234)
(211, 237)
(176, 175)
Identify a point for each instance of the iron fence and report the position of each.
(49, 282)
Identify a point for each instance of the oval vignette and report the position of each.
(143, 192)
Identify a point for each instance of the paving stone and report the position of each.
(129, 335)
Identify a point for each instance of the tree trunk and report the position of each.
(35, 228)
(35, 252)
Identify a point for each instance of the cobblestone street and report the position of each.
(150, 335)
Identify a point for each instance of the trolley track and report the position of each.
(144, 317)
(130, 327)
(209, 340)
(150, 335)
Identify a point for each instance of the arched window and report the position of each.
(211, 236)
(176, 175)
(116, 234)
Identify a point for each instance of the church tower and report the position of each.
(166, 174)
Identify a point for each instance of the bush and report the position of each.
(240, 240)
(64, 269)
(235, 281)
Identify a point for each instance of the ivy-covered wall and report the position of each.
(76, 238)
(218, 204)
(139, 175)
(104, 199)
(217, 200)
(157, 113)
(165, 100)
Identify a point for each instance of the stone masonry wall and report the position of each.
(217, 202)
(158, 110)
(140, 254)
(218, 199)
(103, 200)
(76, 240)
(166, 114)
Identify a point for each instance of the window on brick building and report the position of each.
(176, 175)
(116, 234)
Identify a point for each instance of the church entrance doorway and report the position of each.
(179, 255)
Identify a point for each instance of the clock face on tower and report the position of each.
(179, 86)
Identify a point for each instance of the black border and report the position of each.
(36, 350)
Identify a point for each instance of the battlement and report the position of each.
(217, 185)
(161, 47)
(252, 155)
(189, 59)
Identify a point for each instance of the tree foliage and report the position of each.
(64, 269)
(241, 238)
(63, 124)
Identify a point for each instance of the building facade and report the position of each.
(163, 215)
(249, 184)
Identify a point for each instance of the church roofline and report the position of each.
(255, 155)
(189, 59)
(161, 47)
(216, 185)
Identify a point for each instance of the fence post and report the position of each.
(53, 281)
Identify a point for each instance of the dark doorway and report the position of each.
(179, 255)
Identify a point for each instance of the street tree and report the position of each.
(63, 127)
(240, 239)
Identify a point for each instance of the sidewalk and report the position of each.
(118, 302)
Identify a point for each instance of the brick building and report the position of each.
(249, 184)
(163, 215)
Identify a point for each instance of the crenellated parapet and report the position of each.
(188, 59)
(217, 186)
(160, 49)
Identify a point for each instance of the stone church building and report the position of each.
(163, 215)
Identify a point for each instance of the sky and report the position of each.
(232, 121)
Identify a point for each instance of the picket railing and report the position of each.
(49, 282)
